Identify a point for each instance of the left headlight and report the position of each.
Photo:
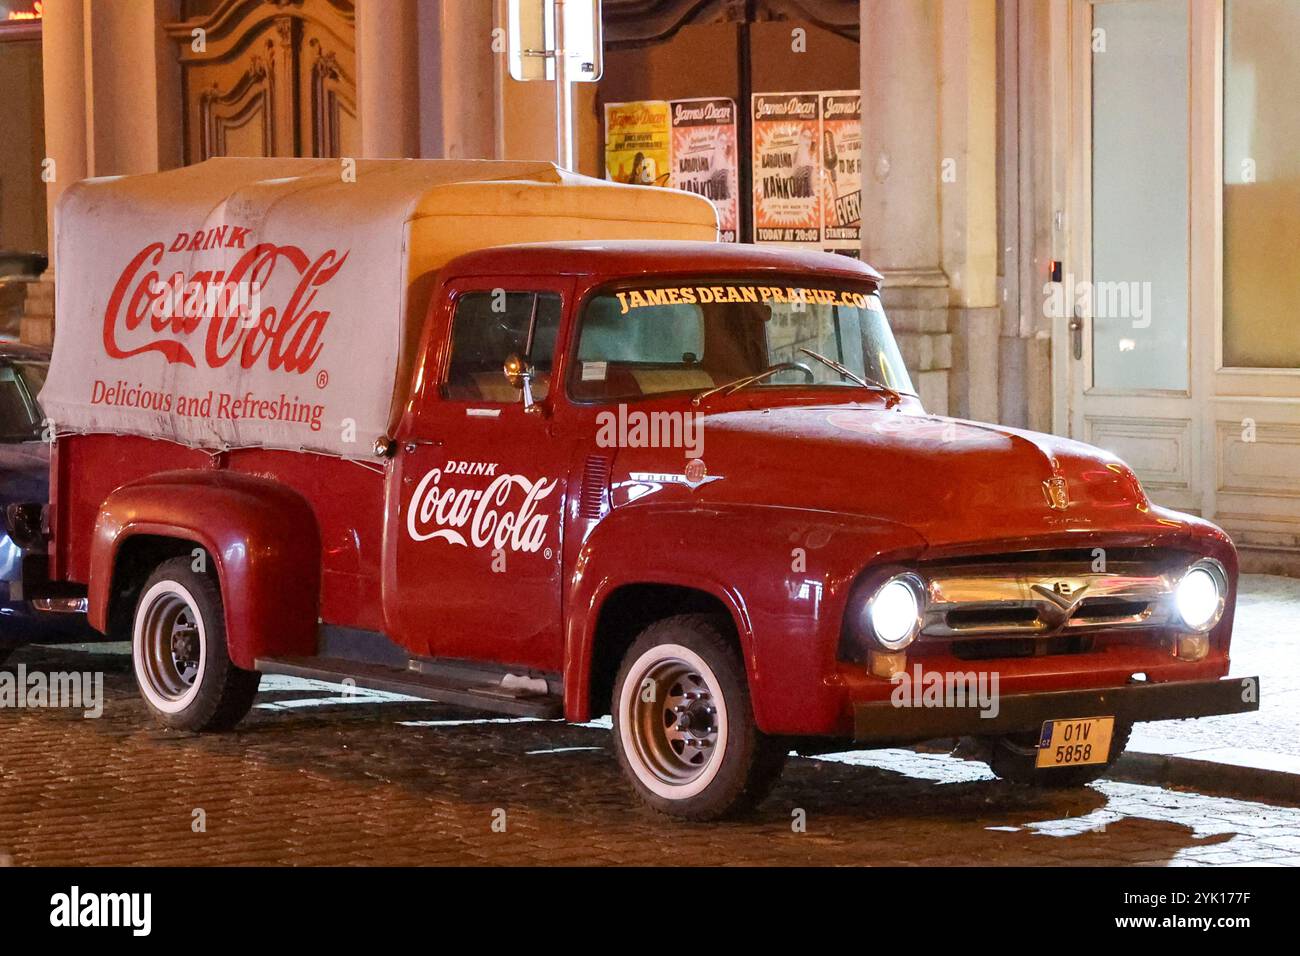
(1201, 594)
(893, 613)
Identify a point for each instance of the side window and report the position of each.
(487, 329)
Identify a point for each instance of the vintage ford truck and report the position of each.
(500, 436)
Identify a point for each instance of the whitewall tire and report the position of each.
(684, 729)
(179, 654)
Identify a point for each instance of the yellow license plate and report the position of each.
(1074, 742)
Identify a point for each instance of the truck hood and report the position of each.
(952, 482)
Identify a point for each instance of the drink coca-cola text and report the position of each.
(502, 515)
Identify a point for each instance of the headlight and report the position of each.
(894, 611)
(1201, 594)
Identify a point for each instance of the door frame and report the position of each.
(426, 439)
(1178, 420)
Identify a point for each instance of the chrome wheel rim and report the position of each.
(170, 646)
(676, 730)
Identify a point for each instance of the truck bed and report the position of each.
(87, 468)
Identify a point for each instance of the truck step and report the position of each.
(490, 697)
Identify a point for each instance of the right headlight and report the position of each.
(893, 613)
(1201, 594)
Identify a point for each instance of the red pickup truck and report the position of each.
(684, 483)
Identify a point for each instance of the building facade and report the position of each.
(1085, 210)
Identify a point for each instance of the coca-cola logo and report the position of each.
(145, 313)
(502, 515)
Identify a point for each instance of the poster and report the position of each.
(705, 148)
(841, 141)
(786, 168)
(638, 140)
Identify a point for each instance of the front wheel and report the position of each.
(684, 730)
(178, 648)
(1014, 756)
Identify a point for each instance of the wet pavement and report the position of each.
(1265, 643)
(314, 776)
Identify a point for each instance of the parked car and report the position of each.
(685, 483)
(24, 484)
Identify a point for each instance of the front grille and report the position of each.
(1049, 595)
(996, 617)
(994, 648)
(1109, 610)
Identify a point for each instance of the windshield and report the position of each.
(20, 418)
(639, 341)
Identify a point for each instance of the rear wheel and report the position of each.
(684, 730)
(1014, 756)
(178, 647)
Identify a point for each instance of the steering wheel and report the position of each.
(793, 367)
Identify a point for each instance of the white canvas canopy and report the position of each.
(278, 302)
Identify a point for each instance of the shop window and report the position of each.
(1261, 184)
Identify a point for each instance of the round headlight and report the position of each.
(895, 612)
(1200, 596)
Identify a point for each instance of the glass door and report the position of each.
(1127, 289)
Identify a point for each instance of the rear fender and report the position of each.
(261, 536)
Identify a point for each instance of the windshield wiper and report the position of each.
(730, 387)
(893, 397)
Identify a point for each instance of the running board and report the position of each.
(490, 697)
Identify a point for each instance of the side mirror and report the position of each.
(520, 375)
(517, 371)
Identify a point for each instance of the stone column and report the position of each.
(63, 66)
(388, 77)
(929, 182)
(900, 139)
(968, 202)
(900, 182)
(472, 109)
(63, 59)
(112, 107)
(132, 102)
(468, 79)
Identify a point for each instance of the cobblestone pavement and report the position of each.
(1265, 642)
(316, 778)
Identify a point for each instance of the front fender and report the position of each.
(262, 536)
(783, 573)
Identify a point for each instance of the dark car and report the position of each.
(24, 484)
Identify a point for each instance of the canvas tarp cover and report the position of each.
(277, 302)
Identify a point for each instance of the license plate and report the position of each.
(1074, 742)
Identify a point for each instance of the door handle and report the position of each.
(1076, 333)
